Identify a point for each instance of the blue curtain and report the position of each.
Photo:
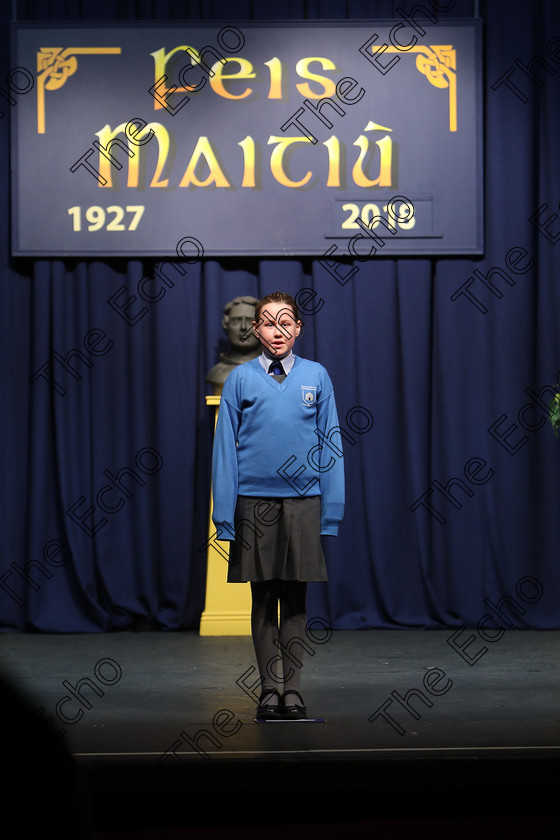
(452, 494)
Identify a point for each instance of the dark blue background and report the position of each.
(434, 372)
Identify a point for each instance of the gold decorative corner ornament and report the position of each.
(438, 63)
(54, 66)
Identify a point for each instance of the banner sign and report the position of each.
(322, 138)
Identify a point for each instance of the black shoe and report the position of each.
(268, 711)
(294, 712)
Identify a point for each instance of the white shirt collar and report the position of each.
(287, 362)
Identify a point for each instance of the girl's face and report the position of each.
(277, 329)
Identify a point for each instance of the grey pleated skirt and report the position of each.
(277, 539)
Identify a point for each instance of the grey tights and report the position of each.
(279, 642)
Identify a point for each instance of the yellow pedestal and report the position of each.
(228, 605)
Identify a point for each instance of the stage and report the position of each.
(479, 738)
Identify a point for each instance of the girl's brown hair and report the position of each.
(276, 297)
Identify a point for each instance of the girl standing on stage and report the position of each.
(278, 485)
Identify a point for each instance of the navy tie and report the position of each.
(276, 369)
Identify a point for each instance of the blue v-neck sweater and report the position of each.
(276, 440)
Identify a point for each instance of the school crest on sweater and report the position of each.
(308, 394)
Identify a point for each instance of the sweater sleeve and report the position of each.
(331, 461)
(224, 465)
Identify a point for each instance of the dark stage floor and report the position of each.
(482, 740)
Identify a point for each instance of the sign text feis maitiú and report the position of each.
(268, 139)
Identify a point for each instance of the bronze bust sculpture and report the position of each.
(237, 319)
